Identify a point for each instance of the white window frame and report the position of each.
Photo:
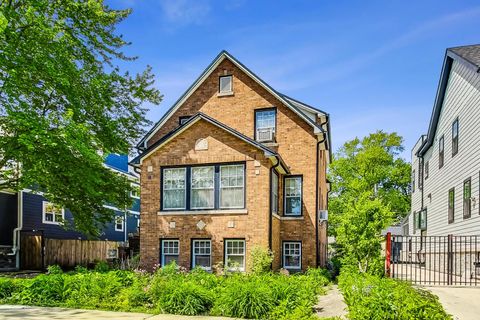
(274, 192)
(184, 188)
(285, 243)
(44, 212)
(118, 220)
(220, 187)
(286, 197)
(220, 84)
(135, 193)
(194, 255)
(227, 255)
(192, 188)
(162, 250)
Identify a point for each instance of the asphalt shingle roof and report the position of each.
(469, 53)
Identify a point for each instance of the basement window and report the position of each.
(170, 250)
(292, 255)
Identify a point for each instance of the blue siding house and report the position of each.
(26, 211)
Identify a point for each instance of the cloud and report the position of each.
(185, 12)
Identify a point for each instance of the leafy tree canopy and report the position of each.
(370, 188)
(65, 104)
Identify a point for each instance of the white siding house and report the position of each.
(455, 121)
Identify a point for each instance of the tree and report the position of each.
(65, 103)
(370, 189)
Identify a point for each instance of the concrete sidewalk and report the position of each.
(42, 313)
(462, 303)
(331, 305)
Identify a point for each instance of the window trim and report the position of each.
(162, 256)
(455, 150)
(137, 187)
(255, 121)
(122, 218)
(216, 166)
(220, 187)
(225, 240)
(214, 188)
(465, 216)
(441, 153)
(451, 217)
(231, 84)
(162, 188)
(55, 222)
(283, 254)
(285, 196)
(192, 263)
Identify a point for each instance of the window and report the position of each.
(467, 198)
(451, 205)
(52, 214)
(455, 137)
(135, 192)
(201, 257)
(413, 181)
(118, 223)
(292, 255)
(420, 174)
(265, 123)
(274, 196)
(422, 219)
(174, 188)
(183, 119)
(203, 188)
(170, 250)
(293, 196)
(235, 255)
(232, 186)
(441, 146)
(427, 169)
(225, 84)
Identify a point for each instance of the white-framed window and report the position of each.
(119, 223)
(455, 137)
(265, 122)
(202, 188)
(226, 84)
(202, 254)
(292, 255)
(235, 254)
(52, 214)
(174, 195)
(274, 192)
(232, 186)
(293, 196)
(170, 250)
(135, 193)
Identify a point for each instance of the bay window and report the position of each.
(293, 196)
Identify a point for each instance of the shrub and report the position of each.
(262, 259)
(372, 297)
(102, 266)
(54, 269)
(185, 299)
(8, 287)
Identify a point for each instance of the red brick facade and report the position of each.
(296, 143)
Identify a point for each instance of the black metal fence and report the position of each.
(434, 260)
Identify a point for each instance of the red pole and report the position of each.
(388, 253)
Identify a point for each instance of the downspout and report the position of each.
(317, 251)
(16, 231)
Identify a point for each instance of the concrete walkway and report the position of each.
(331, 305)
(462, 303)
(41, 313)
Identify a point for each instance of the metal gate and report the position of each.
(434, 260)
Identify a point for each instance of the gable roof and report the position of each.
(289, 102)
(201, 116)
(470, 56)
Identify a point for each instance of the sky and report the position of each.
(372, 65)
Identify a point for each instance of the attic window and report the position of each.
(225, 84)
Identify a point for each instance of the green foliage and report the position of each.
(102, 266)
(265, 296)
(376, 298)
(370, 189)
(54, 269)
(262, 259)
(65, 102)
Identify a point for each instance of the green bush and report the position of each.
(8, 287)
(372, 297)
(102, 266)
(54, 269)
(262, 259)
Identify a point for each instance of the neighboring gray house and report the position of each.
(446, 161)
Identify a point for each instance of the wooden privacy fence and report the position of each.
(66, 253)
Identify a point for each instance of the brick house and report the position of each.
(234, 164)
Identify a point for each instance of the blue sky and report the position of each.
(370, 64)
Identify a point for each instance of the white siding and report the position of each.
(462, 100)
